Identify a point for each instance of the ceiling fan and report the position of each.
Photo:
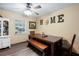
(30, 9)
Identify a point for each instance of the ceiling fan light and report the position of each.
(27, 12)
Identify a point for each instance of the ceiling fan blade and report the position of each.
(37, 7)
(36, 13)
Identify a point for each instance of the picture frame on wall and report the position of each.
(19, 26)
(32, 25)
(46, 22)
(41, 22)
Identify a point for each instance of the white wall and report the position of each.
(65, 29)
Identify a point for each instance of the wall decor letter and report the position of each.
(52, 20)
(60, 18)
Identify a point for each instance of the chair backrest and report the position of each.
(73, 40)
(74, 36)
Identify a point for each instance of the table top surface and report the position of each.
(49, 38)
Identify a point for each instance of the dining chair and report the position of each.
(68, 51)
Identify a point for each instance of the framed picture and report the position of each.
(41, 22)
(19, 26)
(46, 22)
(32, 25)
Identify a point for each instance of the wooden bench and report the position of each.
(39, 46)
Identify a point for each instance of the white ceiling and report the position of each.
(46, 7)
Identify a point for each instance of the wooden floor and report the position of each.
(18, 50)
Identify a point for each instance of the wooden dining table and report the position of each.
(55, 42)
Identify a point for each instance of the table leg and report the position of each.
(52, 49)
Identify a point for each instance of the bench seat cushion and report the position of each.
(38, 45)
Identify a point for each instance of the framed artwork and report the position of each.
(46, 22)
(41, 22)
(32, 25)
(19, 26)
